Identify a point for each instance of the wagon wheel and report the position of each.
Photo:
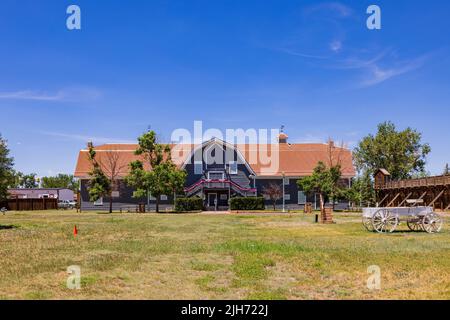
(432, 223)
(367, 223)
(414, 224)
(384, 221)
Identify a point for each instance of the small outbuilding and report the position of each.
(60, 194)
(381, 176)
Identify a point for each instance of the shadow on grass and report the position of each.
(8, 227)
(402, 231)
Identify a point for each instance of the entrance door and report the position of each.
(212, 201)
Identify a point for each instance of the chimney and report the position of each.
(282, 137)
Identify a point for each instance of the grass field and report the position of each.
(200, 256)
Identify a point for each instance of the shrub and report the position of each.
(188, 204)
(251, 203)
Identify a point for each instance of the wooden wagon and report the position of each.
(387, 219)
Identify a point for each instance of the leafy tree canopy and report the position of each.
(99, 184)
(362, 193)
(6, 169)
(152, 151)
(324, 181)
(164, 176)
(61, 181)
(26, 181)
(400, 152)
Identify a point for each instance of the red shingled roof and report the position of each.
(294, 160)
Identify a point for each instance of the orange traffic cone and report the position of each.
(75, 231)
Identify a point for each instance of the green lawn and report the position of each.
(198, 256)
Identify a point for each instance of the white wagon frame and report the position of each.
(384, 220)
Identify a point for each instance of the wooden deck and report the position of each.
(431, 191)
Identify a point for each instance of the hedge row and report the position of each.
(250, 203)
(188, 204)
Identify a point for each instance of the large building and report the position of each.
(218, 170)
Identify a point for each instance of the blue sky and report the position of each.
(312, 66)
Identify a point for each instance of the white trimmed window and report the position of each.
(286, 181)
(233, 167)
(198, 167)
(99, 202)
(163, 197)
(301, 197)
(287, 196)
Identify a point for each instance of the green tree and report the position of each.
(26, 181)
(421, 175)
(16, 178)
(336, 191)
(323, 181)
(99, 184)
(163, 177)
(400, 152)
(176, 179)
(362, 192)
(61, 181)
(6, 169)
(154, 153)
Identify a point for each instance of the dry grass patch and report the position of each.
(216, 256)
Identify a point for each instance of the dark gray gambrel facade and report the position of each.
(215, 179)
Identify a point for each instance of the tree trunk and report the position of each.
(274, 203)
(322, 204)
(157, 204)
(110, 202)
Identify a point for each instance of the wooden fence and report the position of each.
(29, 204)
(417, 183)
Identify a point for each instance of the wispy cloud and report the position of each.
(336, 46)
(86, 138)
(365, 65)
(66, 94)
(353, 62)
(300, 54)
(374, 70)
(377, 74)
(30, 95)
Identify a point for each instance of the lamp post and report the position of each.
(283, 175)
